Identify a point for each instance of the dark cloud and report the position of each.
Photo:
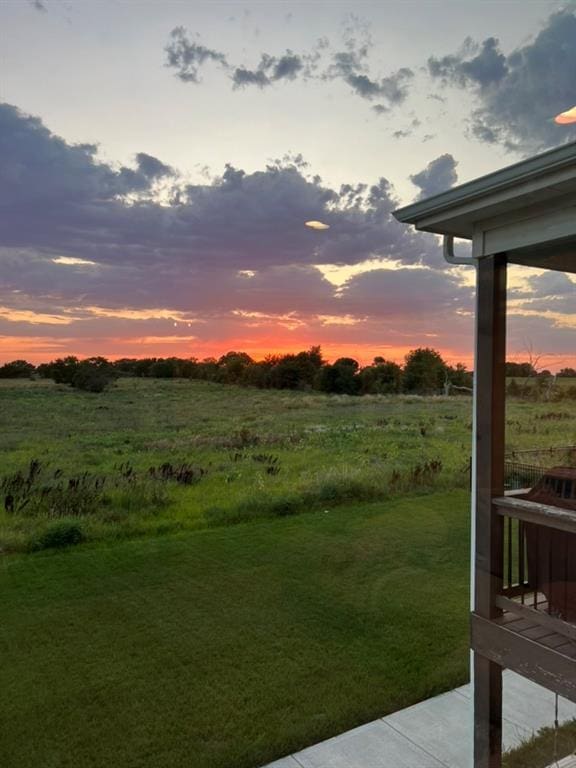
(151, 167)
(188, 56)
(540, 336)
(242, 77)
(388, 292)
(439, 175)
(38, 5)
(481, 68)
(393, 88)
(350, 65)
(43, 172)
(60, 198)
(519, 94)
(548, 292)
(551, 284)
(270, 70)
(219, 251)
(287, 67)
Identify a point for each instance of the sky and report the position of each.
(159, 162)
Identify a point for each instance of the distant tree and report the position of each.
(424, 371)
(458, 378)
(95, 374)
(126, 366)
(258, 374)
(519, 370)
(165, 368)
(207, 369)
(62, 370)
(296, 371)
(566, 373)
(339, 378)
(383, 377)
(144, 366)
(188, 368)
(287, 373)
(233, 366)
(17, 369)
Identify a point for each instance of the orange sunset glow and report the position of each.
(273, 231)
(40, 350)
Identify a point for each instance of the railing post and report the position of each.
(489, 482)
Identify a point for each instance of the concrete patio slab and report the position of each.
(435, 733)
(376, 745)
(530, 705)
(568, 762)
(438, 726)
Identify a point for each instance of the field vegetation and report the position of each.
(156, 456)
(212, 575)
(152, 456)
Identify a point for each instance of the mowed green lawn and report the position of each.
(229, 647)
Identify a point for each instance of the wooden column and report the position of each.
(490, 426)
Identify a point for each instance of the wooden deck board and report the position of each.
(539, 633)
(546, 659)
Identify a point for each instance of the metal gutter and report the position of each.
(450, 256)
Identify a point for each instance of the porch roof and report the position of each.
(527, 210)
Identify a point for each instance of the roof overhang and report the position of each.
(527, 210)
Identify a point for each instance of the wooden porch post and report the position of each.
(490, 426)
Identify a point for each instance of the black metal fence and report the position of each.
(523, 469)
(518, 475)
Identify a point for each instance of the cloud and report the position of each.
(42, 172)
(480, 67)
(152, 168)
(551, 284)
(38, 5)
(387, 293)
(438, 176)
(394, 88)
(350, 65)
(61, 199)
(188, 57)
(92, 258)
(270, 70)
(519, 94)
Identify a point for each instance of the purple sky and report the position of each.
(159, 160)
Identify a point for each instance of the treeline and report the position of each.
(528, 370)
(424, 372)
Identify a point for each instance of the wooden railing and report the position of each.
(539, 563)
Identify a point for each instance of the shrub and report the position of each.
(59, 535)
(17, 369)
(93, 375)
(513, 389)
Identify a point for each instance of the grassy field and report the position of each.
(226, 648)
(254, 453)
(311, 576)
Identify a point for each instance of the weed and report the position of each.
(553, 416)
(59, 535)
(185, 474)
